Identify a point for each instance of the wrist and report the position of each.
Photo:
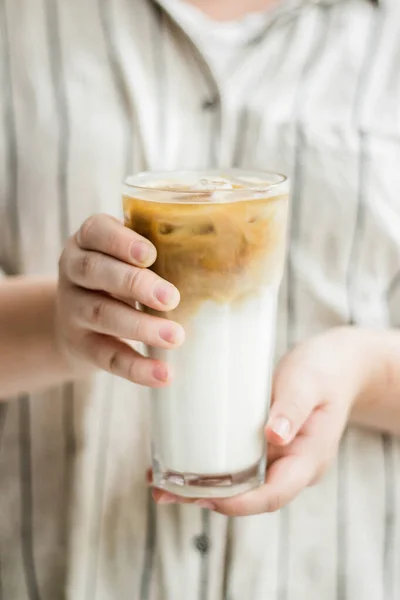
(357, 350)
(375, 361)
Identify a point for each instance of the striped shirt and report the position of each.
(94, 89)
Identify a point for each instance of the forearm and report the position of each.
(378, 406)
(29, 356)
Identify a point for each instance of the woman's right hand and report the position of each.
(102, 275)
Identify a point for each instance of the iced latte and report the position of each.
(220, 239)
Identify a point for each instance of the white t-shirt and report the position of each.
(220, 41)
(93, 90)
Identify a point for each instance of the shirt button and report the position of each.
(210, 103)
(202, 543)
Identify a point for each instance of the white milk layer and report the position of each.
(211, 419)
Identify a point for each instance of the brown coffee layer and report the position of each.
(222, 252)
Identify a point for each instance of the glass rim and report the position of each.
(135, 181)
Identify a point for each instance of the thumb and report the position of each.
(294, 398)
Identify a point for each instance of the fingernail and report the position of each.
(281, 426)
(206, 504)
(171, 335)
(168, 335)
(142, 253)
(166, 499)
(160, 372)
(166, 294)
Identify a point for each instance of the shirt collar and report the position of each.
(287, 5)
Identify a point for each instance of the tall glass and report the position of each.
(220, 238)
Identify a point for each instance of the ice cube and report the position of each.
(211, 185)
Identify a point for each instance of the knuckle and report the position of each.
(135, 371)
(64, 261)
(85, 233)
(115, 362)
(115, 242)
(98, 312)
(131, 280)
(298, 409)
(85, 265)
(140, 328)
(135, 281)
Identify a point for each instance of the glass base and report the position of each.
(191, 485)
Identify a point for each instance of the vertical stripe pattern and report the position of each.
(107, 24)
(158, 33)
(320, 36)
(205, 557)
(27, 532)
(372, 44)
(149, 548)
(60, 94)
(9, 266)
(123, 86)
(344, 456)
(342, 494)
(394, 285)
(68, 429)
(389, 563)
(282, 590)
(99, 493)
(227, 561)
(3, 418)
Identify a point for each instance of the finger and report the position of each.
(100, 313)
(275, 452)
(286, 478)
(114, 356)
(227, 506)
(294, 397)
(105, 234)
(163, 497)
(96, 271)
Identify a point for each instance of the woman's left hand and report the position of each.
(314, 389)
